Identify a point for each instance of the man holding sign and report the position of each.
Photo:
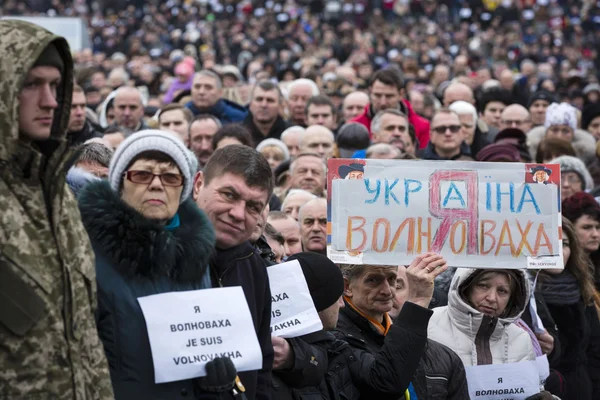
(233, 189)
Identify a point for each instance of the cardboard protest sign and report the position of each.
(189, 329)
(293, 312)
(479, 215)
(512, 381)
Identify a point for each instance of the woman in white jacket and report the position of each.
(478, 321)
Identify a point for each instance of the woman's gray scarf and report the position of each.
(561, 289)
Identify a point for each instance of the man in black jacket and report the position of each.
(80, 129)
(263, 119)
(233, 190)
(353, 372)
(369, 293)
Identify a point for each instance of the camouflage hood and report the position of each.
(21, 45)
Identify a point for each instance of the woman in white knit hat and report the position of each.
(149, 237)
(561, 121)
(274, 150)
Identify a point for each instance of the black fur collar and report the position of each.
(140, 247)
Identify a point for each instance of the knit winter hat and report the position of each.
(274, 142)
(50, 57)
(574, 164)
(541, 95)
(151, 140)
(561, 114)
(323, 277)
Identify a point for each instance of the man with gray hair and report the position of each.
(299, 92)
(391, 126)
(129, 108)
(207, 89)
(473, 136)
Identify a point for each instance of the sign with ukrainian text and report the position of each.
(479, 215)
(189, 329)
(293, 312)
(512, 381)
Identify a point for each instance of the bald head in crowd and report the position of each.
(317, 139)
(354, 104)
(458, 91)
(515, 116)
(313, 225)
(129, 108)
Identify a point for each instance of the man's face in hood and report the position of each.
(37, 102)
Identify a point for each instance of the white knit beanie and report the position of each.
(151, 140)
(561, 114)
(274, 142)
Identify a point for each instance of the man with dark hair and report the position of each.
(264, 120)
(320, 110)
(233, 190)
(491, 104)
(231, 134)
(50, 346)
(80, 128)
(386, 91)
(202, 130)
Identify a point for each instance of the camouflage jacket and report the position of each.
(49, 346)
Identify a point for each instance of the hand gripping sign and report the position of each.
(479, 215)
(189, 329)
(293, 312)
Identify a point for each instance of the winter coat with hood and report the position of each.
(420, 124)
(49, 346)
(583, 143)
(477, 338)
(136, 257)
(226, 111)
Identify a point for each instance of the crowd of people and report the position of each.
(188, 148)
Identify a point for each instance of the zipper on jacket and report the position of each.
(220, 277)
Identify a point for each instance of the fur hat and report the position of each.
(561, 114)
(574, 164)
(151, 140)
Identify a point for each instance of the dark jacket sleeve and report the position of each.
(457, 383)
(264, 382)
(390, 371)
(593, 350)
(310, 363)
(550, 326)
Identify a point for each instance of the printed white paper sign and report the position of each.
(293, 312)
(189, 329)
(513, 381)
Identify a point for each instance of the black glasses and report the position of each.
(443, 128)
(145, 177)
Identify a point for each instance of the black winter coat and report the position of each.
(440, 373)
(579, 332)
(243, 266)
(136, 257)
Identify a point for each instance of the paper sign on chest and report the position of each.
(189, 329)
(293, 312)
(481, 215)
(513, 381)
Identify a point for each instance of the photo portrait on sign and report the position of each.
(542, 174)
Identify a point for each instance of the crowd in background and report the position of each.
(301, 82)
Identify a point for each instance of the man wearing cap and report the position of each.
(538, 103)
(50, 346)
(541, 174)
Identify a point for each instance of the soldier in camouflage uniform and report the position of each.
(49, 346)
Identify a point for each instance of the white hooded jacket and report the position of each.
(465, 330)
